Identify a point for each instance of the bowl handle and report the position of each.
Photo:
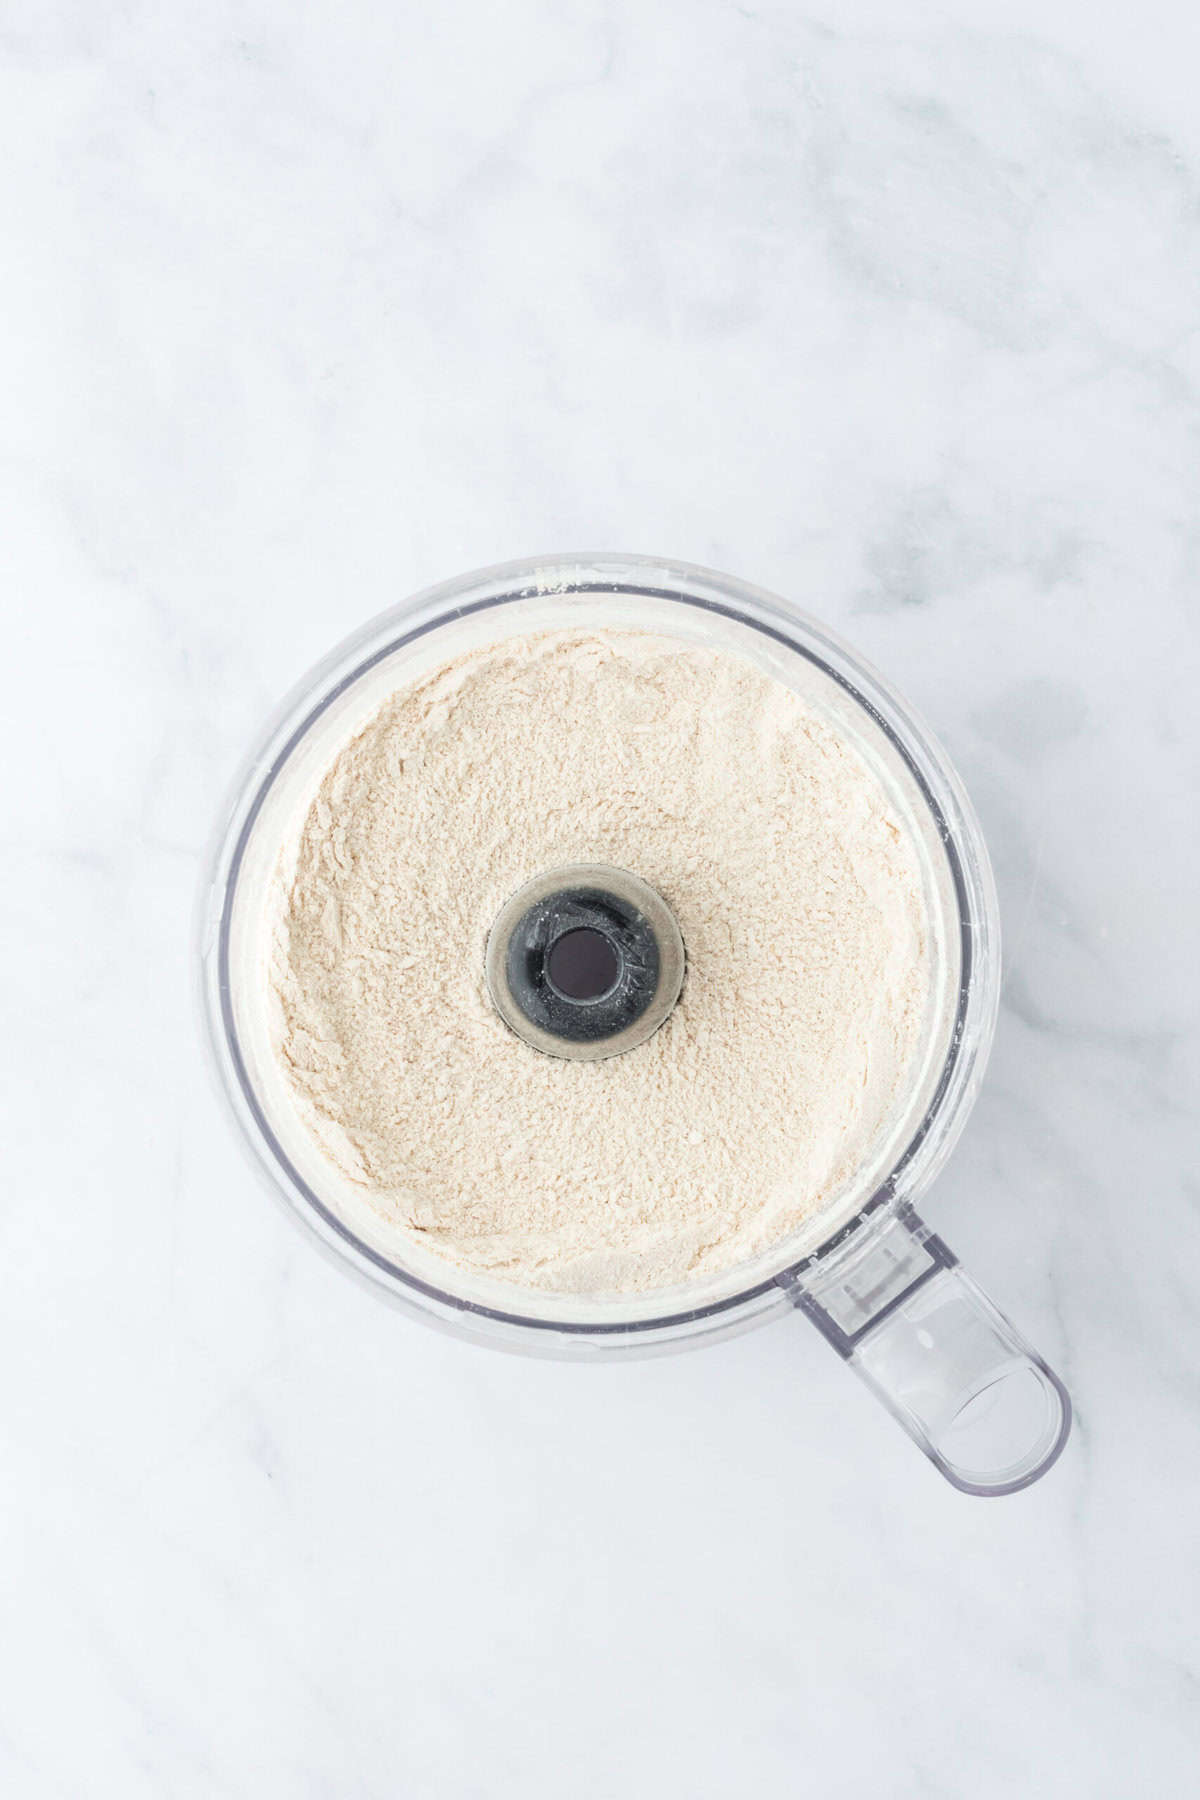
(962, 1381)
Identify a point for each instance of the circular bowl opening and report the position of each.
(697, 606)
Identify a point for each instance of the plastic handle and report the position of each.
(961, 1380)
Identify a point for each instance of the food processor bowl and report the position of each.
(882, 1289)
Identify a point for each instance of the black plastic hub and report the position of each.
(582, 964)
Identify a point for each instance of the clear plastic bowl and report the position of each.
(882, 1289)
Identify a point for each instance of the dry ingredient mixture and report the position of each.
(800, 903)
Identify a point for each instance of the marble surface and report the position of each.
(889, 307)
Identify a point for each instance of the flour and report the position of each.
(798, 895)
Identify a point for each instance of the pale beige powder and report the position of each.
(798, 896)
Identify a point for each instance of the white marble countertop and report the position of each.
(892, 308)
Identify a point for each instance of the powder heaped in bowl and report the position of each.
(798, 894)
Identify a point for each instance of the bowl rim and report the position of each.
(638, 576)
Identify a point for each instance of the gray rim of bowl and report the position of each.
(546, 577)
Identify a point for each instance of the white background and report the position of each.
(892, 308)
